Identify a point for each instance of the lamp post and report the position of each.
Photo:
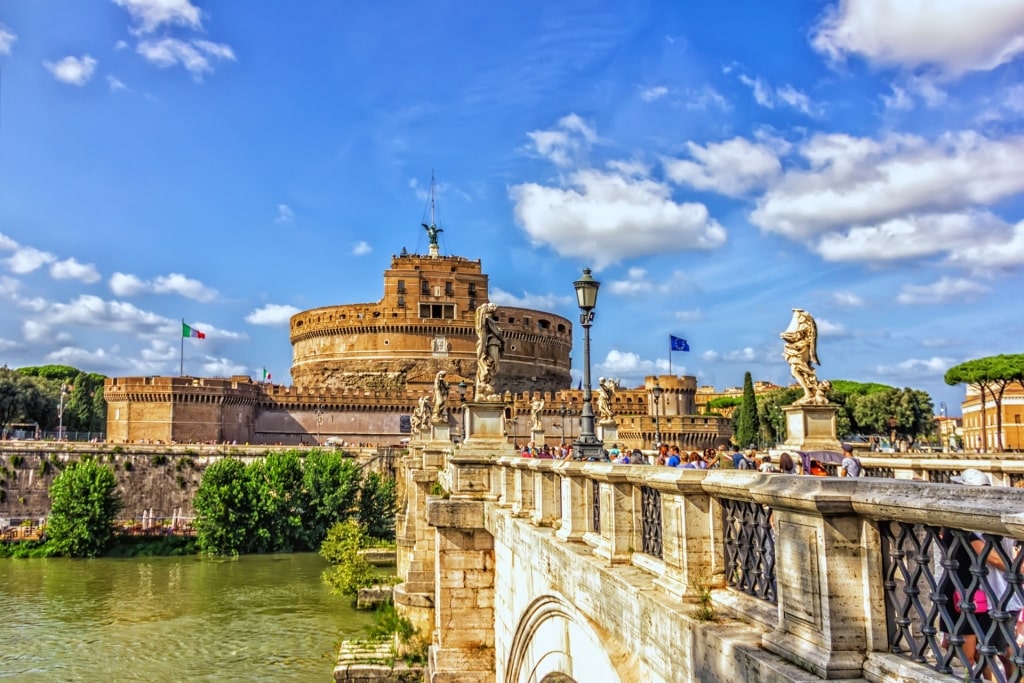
(60, 412)
(1016, 431)
(319, 413)
(515, 431)
(588, 446)
(561, 413)
(462, 404)
(656, 392)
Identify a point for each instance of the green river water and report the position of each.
(258, 618)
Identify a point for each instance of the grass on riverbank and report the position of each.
(166, 546)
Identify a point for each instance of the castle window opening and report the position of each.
(511, 321)
(561, 328)
(544, 324)
(401, 286)
(387, 342)
(424, 287)
(472, 289)
(437, 311)
(472, 304)
(449, 289)
(401, 302)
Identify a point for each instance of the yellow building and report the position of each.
(981, 429)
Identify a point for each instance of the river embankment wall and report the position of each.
(159, 479)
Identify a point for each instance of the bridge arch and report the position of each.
(555, 643)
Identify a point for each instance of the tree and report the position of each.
(770, 415)
(991, 374)
(85, 503)
(748, 426)
(224, 509)
(331, 487)
(377, 498)
(349, 571)
(906, 413)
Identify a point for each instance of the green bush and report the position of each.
(349, 571)
(158, 460)
(128, 466)
(44, 468)
(17, 460)
(85, 503)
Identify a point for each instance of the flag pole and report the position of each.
(181, 366)
(670, 355)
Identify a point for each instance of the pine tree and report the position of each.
(747, 423)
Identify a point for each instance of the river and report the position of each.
(258, 618)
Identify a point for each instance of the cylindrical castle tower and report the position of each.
(423, 324)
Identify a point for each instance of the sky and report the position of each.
(716, 164)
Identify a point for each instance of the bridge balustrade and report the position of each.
(845, 577)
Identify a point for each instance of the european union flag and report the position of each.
(678, 343)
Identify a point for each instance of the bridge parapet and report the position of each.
(841, 577)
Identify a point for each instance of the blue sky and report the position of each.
(717, 164)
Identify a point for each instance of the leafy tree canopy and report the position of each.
(991, 369)
(85, 503)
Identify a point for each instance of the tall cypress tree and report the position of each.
(747, 423)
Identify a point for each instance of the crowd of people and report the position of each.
(672, 456)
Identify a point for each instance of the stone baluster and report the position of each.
(547, 493)
(614, 540)
(522, 502)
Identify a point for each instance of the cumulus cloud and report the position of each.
(705, 98)
(856, 193)
(7, 39)
(696, 315)
(92, 312)
(991, 251)
(123, 284)
(635, 283)
(540, 302)
(72, 70)
(732, 168)
(945, 290)
(606, 215)
(71, 269)
(271, 314)
(222, 367)
(916, 368)
(563, 145)
(24, 259)
(361, 248)
(827, 328)
(197, 56)
(149, 15)
(961, 36)
(629, 367)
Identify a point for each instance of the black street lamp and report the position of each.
(588, 447)
(462, 413)
(561, 413)
(515, 431)
(319, 413)
(656, 391)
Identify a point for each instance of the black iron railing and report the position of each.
(651, 529)
(749, 548)
(928, 570)
(595, 506)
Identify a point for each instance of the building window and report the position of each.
(544, 324)
(424, 287)
(437, 311)
(401, 302)
(472, 289)
(449, 289)
(472, 304)
(401, 286)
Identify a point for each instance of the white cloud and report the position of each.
(696, 315)
(900, 100)
(951, 37)
(150, 15)
(194, 56)
(847, 299)
(71, 269)
(635, 283)
(864, 182)
(92, 312)
(710, 356)
(122, 284)
(563, 145)
(222, 367)
(540, 302)
(706, 98)
(914, 236)
(73, 70)
(827, 328)
(916, 368)
(271, 314)
(361, 248)
(652, 94)
(605, 216)
(732, 168)
(285, 214)
(989, 251)
(768, 97)
(945, 290)
(115, 83)
(9, 286)
(7, 39)
(628, 367)
(28, 259)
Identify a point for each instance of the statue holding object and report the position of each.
(490, 347)
(801, 352)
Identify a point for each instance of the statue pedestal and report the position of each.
(440, 431)
(811, 428)
(608, 432)
(537, 436)
(484, 422)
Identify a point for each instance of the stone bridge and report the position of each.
(521, 570)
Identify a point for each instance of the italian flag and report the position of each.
(266, 375)
(191, 332)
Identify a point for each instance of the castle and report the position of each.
(358, 371)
